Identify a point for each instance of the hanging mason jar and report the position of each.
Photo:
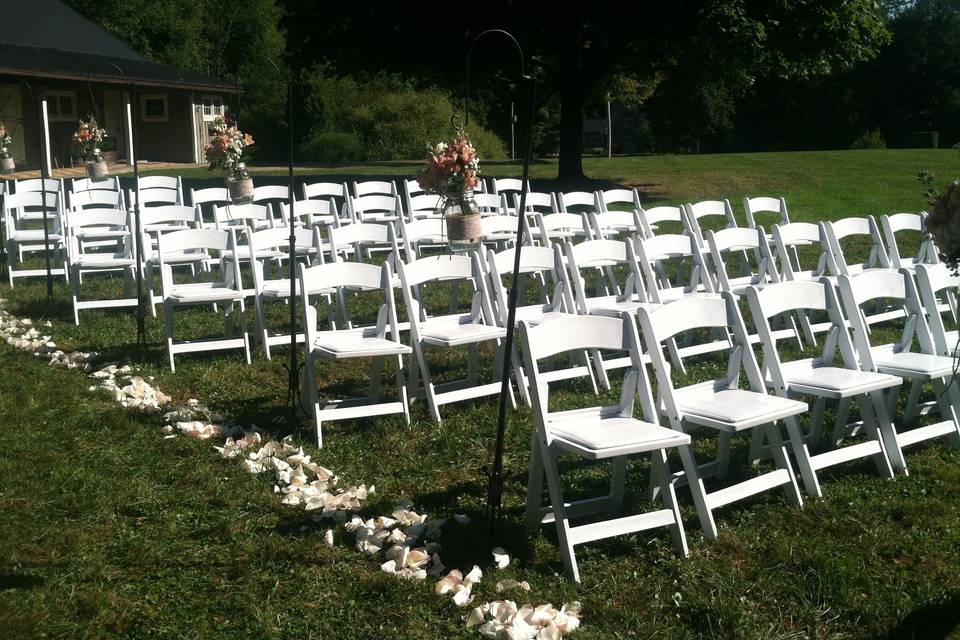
(462, 221)
(97, 167)
(7, 165)
(240, 185)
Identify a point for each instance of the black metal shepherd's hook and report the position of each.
(293, 379)
(44, 176)
(138, 227)
(495, 489)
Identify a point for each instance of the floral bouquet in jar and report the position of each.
(86, 143)
(943, 219)
(6, 161)
(225, 152)
(452, 171)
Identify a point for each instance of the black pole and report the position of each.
(495, 489)
(293, 377)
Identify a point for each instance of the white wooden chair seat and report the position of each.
(908, 364)
(183, 257)
(105, 261)
(673, 294)
(100, 234)
(361, 343)
(204, 292)
(735, 409)
(32, 235)
(536, 314)
(452, 331)
(597, 438)
(802, 376)
(615, 305)
(265, 254)
(281, 289)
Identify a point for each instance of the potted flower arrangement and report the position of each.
(6, 161)
(225, 152)
(86, 144)
(943, 219)
(452, 170)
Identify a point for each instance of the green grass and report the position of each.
(108, 530)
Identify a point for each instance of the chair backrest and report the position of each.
(507, 185)
(534, 261)
(758, 267)
(312, 212)
(96, 199)
(423, 206)
(577, 334)
(883, 284)
(208, 239)
(838, 261)
(104, 217)
(243, 215)
(577, 200)
(670, 265)
(764, 204)
(593, 254)
(31, 185)
(443, 268)
(326, 190)
(907, 222)
(374, 187)
(618, 200)
(657, 215)
(211, 195)
(788, 239)
(261, 241)
(155, 196)
(375, 208)
(491, 203)
(536, 202)
(607, 224)
(697, 211)
(424, 230)
(660, 324)
(361, 234)
(177, 215)
(552, 225)
(79, 185)
(161, 182)
(496, 228)
(938, 286)
(32, 201)
(271, 192)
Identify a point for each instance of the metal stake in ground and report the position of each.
(495, 489)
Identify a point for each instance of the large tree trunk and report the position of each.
(571, 127)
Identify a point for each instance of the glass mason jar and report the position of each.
(97, 167)
(461, 217)
(240, 185)
(6, 162)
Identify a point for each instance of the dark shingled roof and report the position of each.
(48, 39)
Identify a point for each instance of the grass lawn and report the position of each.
(109, 530)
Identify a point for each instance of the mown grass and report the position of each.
(108, 530)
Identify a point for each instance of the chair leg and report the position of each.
(376, 374)
(75, 286)
(618, 477)
(246, 334)
(669, 493)
(168, 328)
(402, 390)
(802, 455)
(888, 430)
(534, 486)
(723, 454)
(871, 427)
(913, 398)
(560, 514)
(840, 426)
(599, 370)
(473, 364)
(428, 388)
(816, 421)
(704, 513)
(779, 452)
(948, 400)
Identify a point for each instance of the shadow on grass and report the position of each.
(8, 581)
(930, 622)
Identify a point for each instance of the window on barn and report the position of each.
(153, 108)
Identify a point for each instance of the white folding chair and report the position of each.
(228, 290)
(312, 213)
(753, 207)
(577, 202)
(163, 219)
(560, 227)
(819, 378)
(422, 233)
(423, 206)
(756, 270)
(81, 260)
(938, 287)
(697, 211)
(360, 238)
(540, 264)
(491, 204)
(720, 404)
(240, 217)
(452, 330)
(863, 228)
(261, 243)
(206, 200)
(597, 433)
(611, 225)
(618, 200)
(902, 223)
(98, 200)
(379, 341)
(375, 208)
(501, 231)
(898, 358)
(374, 187)
(158, 190)
(21, 212)
(653, 218)
(272, 196)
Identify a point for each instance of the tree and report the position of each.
(577, 50)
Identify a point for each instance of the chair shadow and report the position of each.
(930, 622)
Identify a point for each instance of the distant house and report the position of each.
(57, 66)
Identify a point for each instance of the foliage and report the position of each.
(87, 138)
(869, 140)
(381, 117)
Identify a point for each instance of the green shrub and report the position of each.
(382, 117)
(333, 146)
(869, 140)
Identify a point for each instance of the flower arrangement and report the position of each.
(943, 219)
(87, 138)
(451, 168)
(5, 140)
(226, 147)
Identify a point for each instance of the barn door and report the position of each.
(11, 112)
